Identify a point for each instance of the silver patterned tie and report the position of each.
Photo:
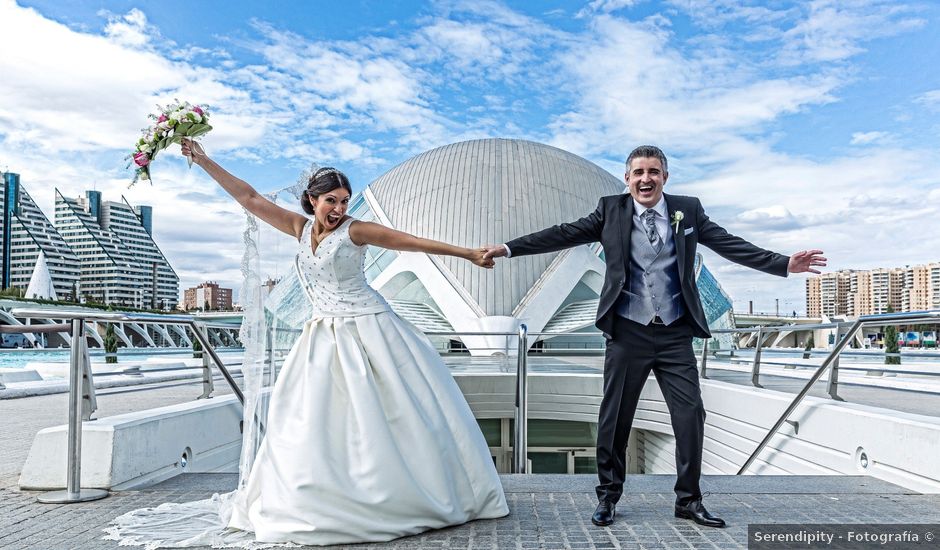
(650, 221)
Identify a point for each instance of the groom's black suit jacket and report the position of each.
(612, 224)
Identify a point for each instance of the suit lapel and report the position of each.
(625, 225)
(673, 205)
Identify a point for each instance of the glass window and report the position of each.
(490, 429)
(549, 463)
(562, 433)
(585, 465)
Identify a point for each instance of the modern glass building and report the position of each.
(27, 232)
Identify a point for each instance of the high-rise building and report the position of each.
(916, 292)
(855, 293)
(208, 296)
(859, 299)
(813, 297)
(120, 262)
(27, 232)
(834, 292)
(934, 270)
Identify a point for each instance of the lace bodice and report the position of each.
(334, 277)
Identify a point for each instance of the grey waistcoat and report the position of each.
(653, 287)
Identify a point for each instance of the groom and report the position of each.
(649, 310)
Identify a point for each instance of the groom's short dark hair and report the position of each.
(648, 151)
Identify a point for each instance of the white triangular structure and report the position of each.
(40, 284)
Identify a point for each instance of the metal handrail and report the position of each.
(143, 318)
(77, 319)
(866, 320)
(521, 442)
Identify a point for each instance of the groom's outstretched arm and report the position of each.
(558, 237)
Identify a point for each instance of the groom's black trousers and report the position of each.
(632, 352)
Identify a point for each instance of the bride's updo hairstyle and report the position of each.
(323, 181)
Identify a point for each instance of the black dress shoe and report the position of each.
(604, 513)
(696, 512)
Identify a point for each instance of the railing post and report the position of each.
(832, 386)
(704, 357)
(208, 349)
(89, 402)
(207, 384)
(73, 490)
(520, 444)
(755, 368)
(272, 375)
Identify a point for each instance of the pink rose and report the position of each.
(198, 110)
(141, 159)
(162, 118)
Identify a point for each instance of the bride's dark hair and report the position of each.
(323, 181)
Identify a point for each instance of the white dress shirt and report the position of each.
(661, 220)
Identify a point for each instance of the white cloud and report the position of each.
(835, 30)
(129, 29)
(604, 6)
(634, 86)
(930, 99)
(775, 217)
(865, 138)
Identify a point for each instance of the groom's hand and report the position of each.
(805, 260)
(494, 251)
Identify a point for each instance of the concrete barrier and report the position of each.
(19, 375)
(141, 448)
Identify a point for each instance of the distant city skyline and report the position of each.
(856, 292)
(799, 124)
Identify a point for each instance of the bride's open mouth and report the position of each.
(331, 219)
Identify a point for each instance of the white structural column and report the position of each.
(551, 290)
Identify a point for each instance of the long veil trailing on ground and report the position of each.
(271, 321)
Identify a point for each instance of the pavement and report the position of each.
(546, 511)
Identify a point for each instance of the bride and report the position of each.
(367, 438)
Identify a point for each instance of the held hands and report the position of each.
(803, 261)
(478, 257)
(193, 150)
(494, 251)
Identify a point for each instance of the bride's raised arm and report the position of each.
(282, 219)
(378, 235)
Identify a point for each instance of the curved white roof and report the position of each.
(489, 191)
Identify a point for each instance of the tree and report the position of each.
(808, 350)
(206, 306)
(110, 344)
(197, 348)
(891, 343)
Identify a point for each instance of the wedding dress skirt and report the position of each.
(368, 438)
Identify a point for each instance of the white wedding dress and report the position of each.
(368, 438)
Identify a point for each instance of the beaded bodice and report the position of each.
(333, 274)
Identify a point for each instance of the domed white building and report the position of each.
(481, 192)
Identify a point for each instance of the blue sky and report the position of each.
(798, 124)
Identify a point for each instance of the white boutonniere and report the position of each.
(677, 217)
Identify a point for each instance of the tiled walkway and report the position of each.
(546, 511)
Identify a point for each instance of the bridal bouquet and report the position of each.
(174, 123)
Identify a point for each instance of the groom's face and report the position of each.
(646, 179)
